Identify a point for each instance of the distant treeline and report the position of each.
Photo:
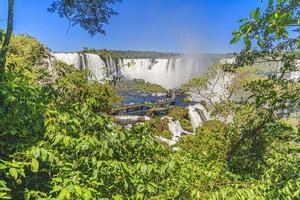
(129, 54)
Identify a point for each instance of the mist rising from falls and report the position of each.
(170, 73)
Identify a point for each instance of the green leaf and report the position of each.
(58, 180)
(56, 188)
(266, 34)
(66, 141)
(260, 43)
(237, 33)
(247, 42)
(150, 189)
(194, 192)
(3, 166)
(118, 197)
(171, 164)
(285, 33)
(235, 39)
(36, 153)
(58, 138)
(139, 196)
(144, 168)
(271, 3)
(14, 173)
(242, 20)
(255, 14)
(244, 26)
(34, 165)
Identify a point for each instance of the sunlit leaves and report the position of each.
(235, 39)
(247, 43)
(271, 27)
(4, 190)
(14, 173)
(34, 165)
(260, 43)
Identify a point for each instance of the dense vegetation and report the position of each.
(138, 85)
(57, 142)
(181, 114)
(160, 127)
(147, 54)
(130, 54)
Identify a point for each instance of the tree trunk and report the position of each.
(9, 30)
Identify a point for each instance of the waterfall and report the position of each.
(88, 61)
(197, 115)
(69, 58)
(296, 74)
(96, 65)
(176, 130)
(170, 73)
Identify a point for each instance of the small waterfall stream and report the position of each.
(197, 115)
(176, 130)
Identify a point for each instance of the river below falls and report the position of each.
(131, 98)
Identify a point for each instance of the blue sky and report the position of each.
(163, 25)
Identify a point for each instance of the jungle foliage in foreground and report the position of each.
(56, 141)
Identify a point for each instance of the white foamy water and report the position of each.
(88, 61)
(197, 115)
(170, 73)
(176, 130)
(296, 74)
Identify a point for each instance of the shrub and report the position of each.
(178, 113)
(186, 125)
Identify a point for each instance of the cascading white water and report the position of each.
(176, 130)
(170, 73)
(96, 65)
(88, 61)
(197, 115)
(69, 58)
(296, 74)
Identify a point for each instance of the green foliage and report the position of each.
(160, 127)
(137, 85)
(186, 125)
(130, 54)
(275, 25)
(166, 134)
(209, 142)
(178, 113)
(91, 16)
(57, 142)
(26, 49)
(181, 114)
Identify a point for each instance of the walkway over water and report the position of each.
(145, 107)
